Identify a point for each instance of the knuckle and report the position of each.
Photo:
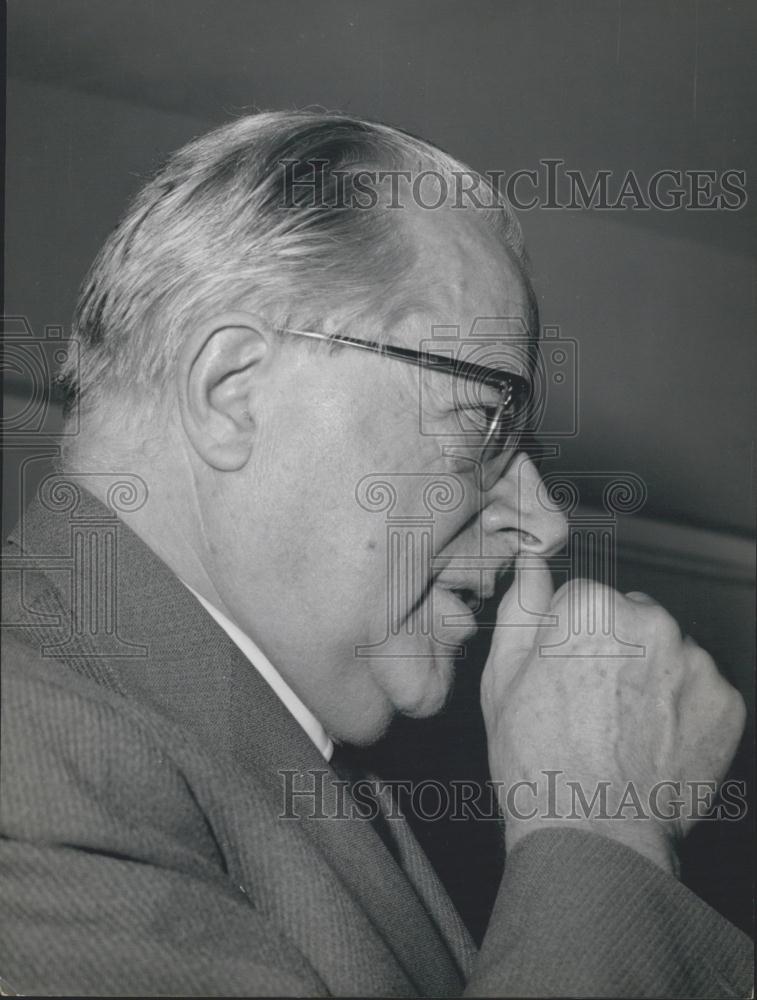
(660, 622)
(736, 709)
(647, 615)
(700, 660)
(640, 597)
(704, 669)
(728, 718)
(725, 701)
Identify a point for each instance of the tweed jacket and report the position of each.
(147, 846)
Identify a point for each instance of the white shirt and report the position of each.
(269, 673)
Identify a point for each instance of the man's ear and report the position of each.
(219, 369)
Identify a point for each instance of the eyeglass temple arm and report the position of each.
(422, 359)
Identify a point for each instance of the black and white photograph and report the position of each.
(378, 566)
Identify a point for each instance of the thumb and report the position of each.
(522, 611)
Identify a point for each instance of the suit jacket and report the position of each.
(146, 846)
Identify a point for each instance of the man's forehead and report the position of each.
(469, 278)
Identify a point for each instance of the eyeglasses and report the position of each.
(496, 441)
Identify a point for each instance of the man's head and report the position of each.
(275, 210)
(311, 491)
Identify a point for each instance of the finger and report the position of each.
(520, 614)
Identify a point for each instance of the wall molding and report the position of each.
(681, 548)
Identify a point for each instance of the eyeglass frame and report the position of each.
(503, 381)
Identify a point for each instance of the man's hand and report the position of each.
(561, 695)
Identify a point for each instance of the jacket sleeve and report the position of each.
(580, 915)
(109, 885)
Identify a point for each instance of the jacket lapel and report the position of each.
(270, 742)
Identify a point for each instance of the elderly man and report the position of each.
(253, 365)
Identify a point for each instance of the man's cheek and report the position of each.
(463, 537)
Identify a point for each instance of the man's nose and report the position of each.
(519, 505)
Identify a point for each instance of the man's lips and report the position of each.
(455, 612)
(473, 588)
(468, 588)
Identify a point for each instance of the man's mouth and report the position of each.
(462, 593)
(456, 613)
(469, 597)
(471, 589)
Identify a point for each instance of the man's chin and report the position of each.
(361, 729)
(414, 681)
(418, 685)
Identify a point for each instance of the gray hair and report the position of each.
(260, 210)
